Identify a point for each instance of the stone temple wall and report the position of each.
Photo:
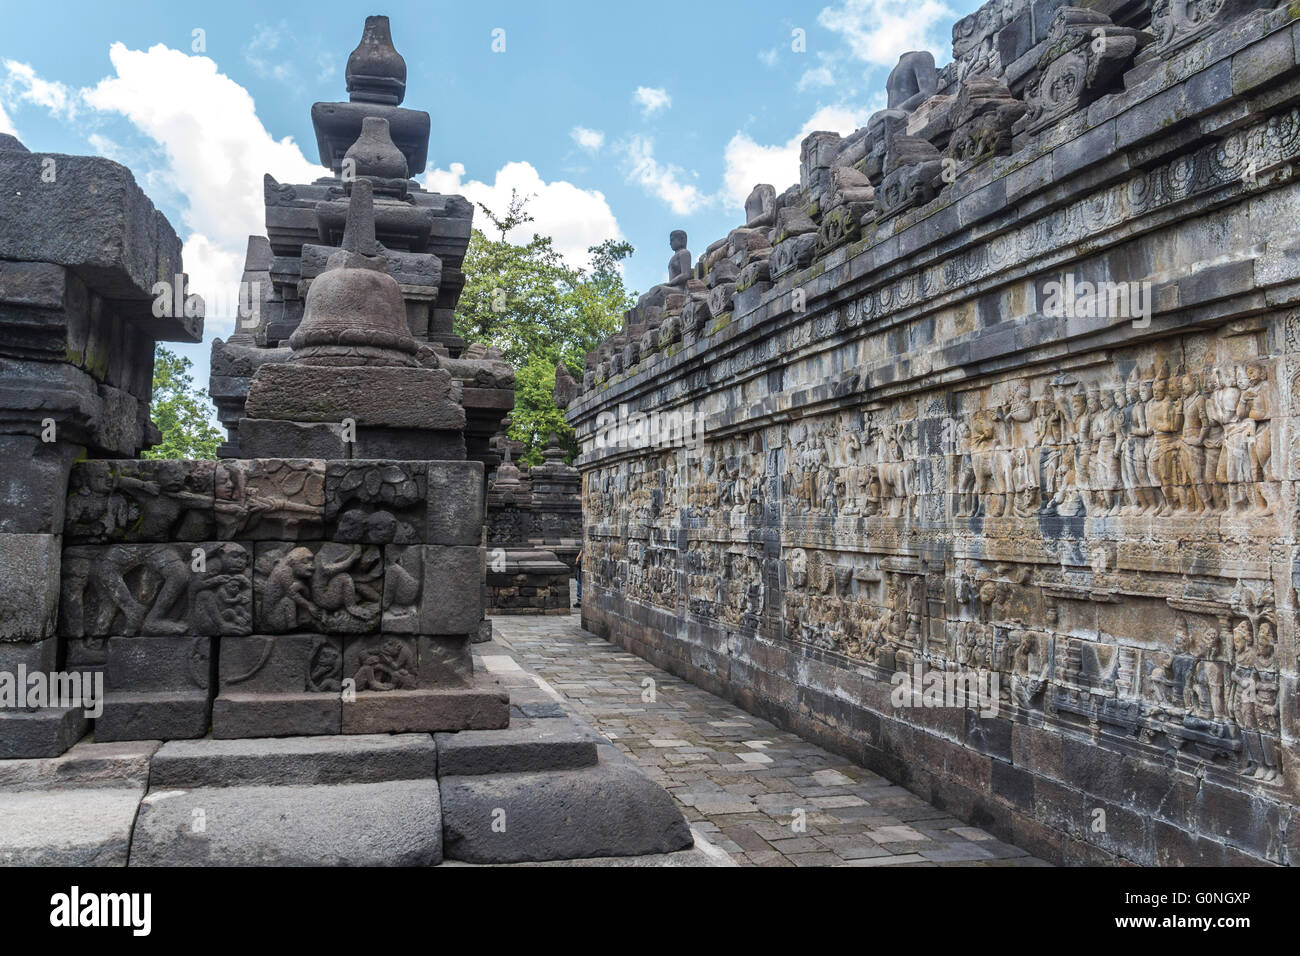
(1004, 389)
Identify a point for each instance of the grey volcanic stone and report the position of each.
(46, 732)
(455, 514)
(33, 655)
(94, 219)
(388, 396)
(524, 746)
(264, 714)
(372, 758)
(29, 568)
(483, 706)
(86, 764)
(88, 826)
(268, 438)
(32, 465)
(154, 715)
(452, 598)
(396, 823)
(612, 809)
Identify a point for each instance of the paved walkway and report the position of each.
(740, 781)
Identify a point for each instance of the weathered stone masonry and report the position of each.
(917, 460)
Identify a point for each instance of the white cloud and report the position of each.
(574, 218)
(212, 158)
(589, 139)
(769, 57)
(21, 84)
(325, 66)
(659, 179)
(748, 163)
(262, 52)
(879, 31)
(818, 76)
(652, 99)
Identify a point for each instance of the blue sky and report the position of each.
(622, 120)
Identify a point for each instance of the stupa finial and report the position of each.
(376, 72)
(359, 230)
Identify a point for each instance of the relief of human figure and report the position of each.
(1215, 416)
(1239, 440)
(168, 498)
(967, 499)
(1196, 427)
(1254, 405)
(1232, 457)
(1166, 418)
(1162, 680)
(1246, 679)
(1266, 707)
(1108, 426)
(1019, 463)
(1133, 466)
(1207, 678)
(985, 463)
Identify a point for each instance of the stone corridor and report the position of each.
(738, 779)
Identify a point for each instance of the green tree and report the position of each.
(181, 411)
(528, 302)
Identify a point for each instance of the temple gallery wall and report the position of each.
(1004, 389)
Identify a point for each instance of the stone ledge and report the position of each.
(297, 761)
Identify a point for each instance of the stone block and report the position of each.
(408, 444)
(293, 761)
(269, 438)
(69, 826)
(455, 512)
(451, 601)
(95, 220)
(86, 764)
(611, 809)
(154, 715)
(525, 746)
(444, 659)
(157, 688)
(369, 395)
(278, 686)
(483, 705)
(44, 732)
(394, 823)
(29, 567)
(32, 483)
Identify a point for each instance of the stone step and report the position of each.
(297, 761)
(76, 809)
(609, 810)
(87, 764)
(67, 826)
(393, 823)
(526, 745)
(45, 732)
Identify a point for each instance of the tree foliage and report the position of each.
(539, 310)
(181, 411)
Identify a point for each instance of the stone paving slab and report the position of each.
(802, 806)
